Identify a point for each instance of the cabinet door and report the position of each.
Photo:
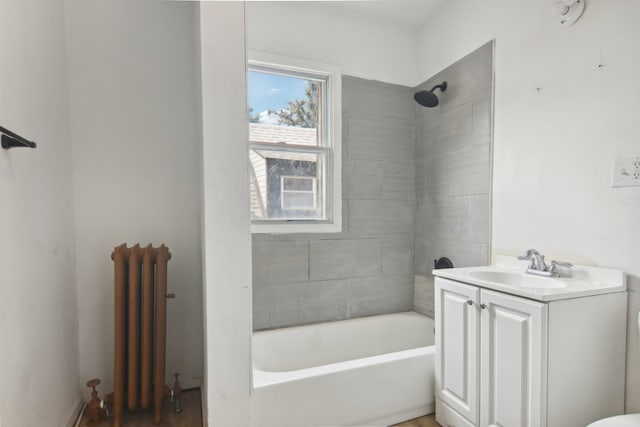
(456, 361)
(513, 361)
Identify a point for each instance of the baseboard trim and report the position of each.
(76, 414)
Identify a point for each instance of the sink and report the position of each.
(508, 275)
(518, 279)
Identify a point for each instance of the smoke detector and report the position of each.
(568, 14)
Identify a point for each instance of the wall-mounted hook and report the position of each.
(11, 140)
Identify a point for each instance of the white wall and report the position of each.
(363, 47)
(554, 147)
(227, 240)
(38, 316)
(136, 178)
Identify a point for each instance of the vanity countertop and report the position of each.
(508, 275)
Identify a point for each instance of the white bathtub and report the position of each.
(371, 371)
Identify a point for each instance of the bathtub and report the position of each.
(371, 371)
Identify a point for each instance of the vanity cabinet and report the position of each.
(504, 360)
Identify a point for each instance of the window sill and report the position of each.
(296, 227)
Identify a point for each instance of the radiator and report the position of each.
(140, 329)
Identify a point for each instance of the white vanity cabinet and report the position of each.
(503, 360)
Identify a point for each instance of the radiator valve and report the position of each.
(175, 393)
(95, 404)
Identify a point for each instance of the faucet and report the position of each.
(538, 267)
(535, 258)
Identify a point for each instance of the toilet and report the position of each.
(627, 420)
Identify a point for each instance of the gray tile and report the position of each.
(260, 304)
(457, 251)
(378, 138)
(479, 254)
(460, 218)
(420, 179)
(463, 173)
(285, 304)
(462, 253)
(346, 206)
(338, 259)
(480, 205)
(398, 181)
(280, 261)
(371, 296)
(422, 217)
(423, 297)
(323, 301)
(482, 112)
(362, 179)
(427, 119)
(426, 144)
(370, 97)
(397, 256)
(453, 140)
(456, 124)
(422, 263)
(374, 217)
(345, 132)
(480, 218)
(448, 218)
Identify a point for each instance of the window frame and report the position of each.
(332, 117)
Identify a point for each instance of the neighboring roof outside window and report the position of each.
(266, 133)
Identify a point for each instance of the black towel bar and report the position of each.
(10, 140)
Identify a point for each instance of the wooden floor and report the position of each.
(191, 415)
(426, 421)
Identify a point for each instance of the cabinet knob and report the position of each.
(482, 306)
(470, 302)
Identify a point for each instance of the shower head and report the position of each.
(427, 98)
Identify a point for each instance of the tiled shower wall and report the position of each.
(368, 268)
(453, 171)
(416, 186)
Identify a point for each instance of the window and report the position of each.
(298, 193)
(294, 145)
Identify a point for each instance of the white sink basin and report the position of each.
(518, 279)
(508, 275)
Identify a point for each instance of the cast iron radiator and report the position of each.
(140, 329)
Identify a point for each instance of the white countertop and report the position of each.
(577, 281)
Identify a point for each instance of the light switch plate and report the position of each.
(626, 172)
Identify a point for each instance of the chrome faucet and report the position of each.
(535, 258)
(538, 267)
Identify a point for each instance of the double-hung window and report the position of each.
(294, 145)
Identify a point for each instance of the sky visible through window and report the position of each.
(273, 92)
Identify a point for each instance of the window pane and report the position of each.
(298, 200)
(282, 184)
(284, 109)
(294, 148)
(297, 183)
